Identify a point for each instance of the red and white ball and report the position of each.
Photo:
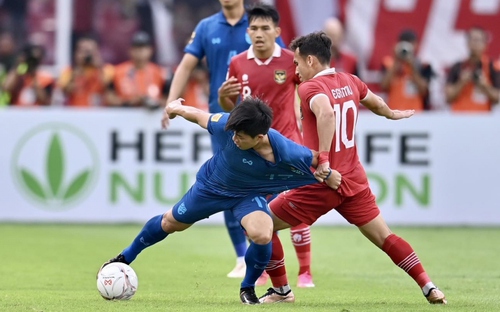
(117, 281)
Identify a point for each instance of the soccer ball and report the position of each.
(117, 281)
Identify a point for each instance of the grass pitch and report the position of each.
(52, 268)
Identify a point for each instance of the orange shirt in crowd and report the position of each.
(89, 87)
(27, 94)
(130, 83)
(471, 98)
(403, 92)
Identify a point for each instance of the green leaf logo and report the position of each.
(55, 165)
(70, 165)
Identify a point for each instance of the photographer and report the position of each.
(25, 82)
(405, 78)
(84, 83)
(474, 84)
(138, 82)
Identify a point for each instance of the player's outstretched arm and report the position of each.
(192, 114)
(378, 106)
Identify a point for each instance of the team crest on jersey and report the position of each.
(280, 76)
(216, 117)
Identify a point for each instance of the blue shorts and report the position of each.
(199, 203)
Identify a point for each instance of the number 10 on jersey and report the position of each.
(342, 124)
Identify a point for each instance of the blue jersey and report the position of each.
(219, 41)
(234, 172)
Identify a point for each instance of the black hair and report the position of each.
(317, 44)
(264, 11)
(408, 35)
(252, 116)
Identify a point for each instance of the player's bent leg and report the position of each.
(258, 226)
(281, 291)
(403, 255)
(239, 241)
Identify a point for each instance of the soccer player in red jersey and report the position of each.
(267, 71)
(330, 102)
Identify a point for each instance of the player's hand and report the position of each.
(170, 112)
(230, 88)
(401, 114)
(334, 180)
(322, 171)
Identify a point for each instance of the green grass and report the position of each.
(52, 268)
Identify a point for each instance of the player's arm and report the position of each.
(325, 122)
(192, 114)
(181, 76)
(378, 106)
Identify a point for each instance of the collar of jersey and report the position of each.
(222, 19)
(276, 53)
(328, 71)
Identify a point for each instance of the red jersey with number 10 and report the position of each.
(273, 81)
(344, 92)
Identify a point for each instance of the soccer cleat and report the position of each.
(272, 296)
(436, 296)
(119, 258)
(239, 271)
(305, 280)
(262, 280)
(248, 296)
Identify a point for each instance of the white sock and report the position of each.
(427, 288)
(283, 290)
(240, 260)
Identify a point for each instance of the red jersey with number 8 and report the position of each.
(344, 91)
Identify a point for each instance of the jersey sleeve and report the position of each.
(195, 44)
(217, 123)
(307, 92)
(361, 86)
(232, 69)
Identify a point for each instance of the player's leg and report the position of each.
(239, 241)
(302, 205)
(253, 214)
(301, 240)
(194, 206)
(363, 211)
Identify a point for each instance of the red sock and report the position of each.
(301, 239)
(276, 267)
(403, 255)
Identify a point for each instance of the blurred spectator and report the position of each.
(138, 82)
(474, 84)
(7, 60)
(84, 84)
(341, 60)
(405, 78)
(198, 88)
(26, 83)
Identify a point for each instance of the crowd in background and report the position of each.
(127, 67)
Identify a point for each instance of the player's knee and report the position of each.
(261, 236)
(170, 225)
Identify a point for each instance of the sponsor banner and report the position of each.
(107, 165)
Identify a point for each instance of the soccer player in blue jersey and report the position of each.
(218, 38)
(253, 161)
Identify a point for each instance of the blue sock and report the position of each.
(150, 234)
(236, 233)
(256, 258)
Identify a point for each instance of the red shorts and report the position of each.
(308, 203)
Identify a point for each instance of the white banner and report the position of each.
(112, 165)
